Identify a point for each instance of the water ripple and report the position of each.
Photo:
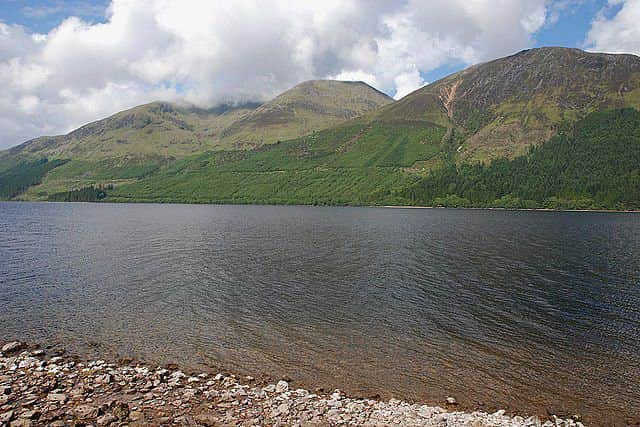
(514, 309)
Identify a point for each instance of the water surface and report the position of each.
(521, 310)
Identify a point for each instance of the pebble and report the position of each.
(57, 397)
(60, 392)
(282, 386)
(136, 416)
(106, 419)
(86, 412)
(30, 414)
(6, 417)
(120, 410)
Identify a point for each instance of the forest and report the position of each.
(595, 165)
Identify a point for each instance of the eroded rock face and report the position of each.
(59, 392)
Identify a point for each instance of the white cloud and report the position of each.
(406, 83)
(619, 33)
(356, 76)
(29, 103)
(206, 52)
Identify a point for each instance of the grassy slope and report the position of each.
(15, 180)
(156, 130)
(134, 143)
(166, 130)
(310, 106)
(594, 166)
(77, 174)
(353, 164)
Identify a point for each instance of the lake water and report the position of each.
(521, 310)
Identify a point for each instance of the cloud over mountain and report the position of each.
(616, 29)
(205, 52)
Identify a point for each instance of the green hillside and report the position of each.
(595, 165)
(548, 127)
(352, 164)
(502, 107)
(307, 107)
(158, 129)
(15, 180)
(134, 143)
(162, 129)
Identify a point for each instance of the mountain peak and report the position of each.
(308, 106)
(505, 105)
(322, 87)
(169, 129)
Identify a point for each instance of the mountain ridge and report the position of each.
(198, 129)
(490, 113)
(503, 106)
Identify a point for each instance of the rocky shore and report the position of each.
(40, 387)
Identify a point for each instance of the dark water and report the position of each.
(523, 310)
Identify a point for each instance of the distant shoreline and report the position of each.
(151, 202)
(509, 209)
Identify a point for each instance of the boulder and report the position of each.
(12, 346)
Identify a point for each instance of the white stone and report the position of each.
(282, 386)
(57, 397)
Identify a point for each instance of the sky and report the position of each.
(64, 63)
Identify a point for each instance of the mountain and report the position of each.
(136, 142)
(307, 107)
(500, 108)
(169, 130)
(548, 127)
(158, 129)
(595, 164)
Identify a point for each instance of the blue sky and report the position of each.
(569, 30)
(43, 15)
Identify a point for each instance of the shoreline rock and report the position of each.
(37, 389)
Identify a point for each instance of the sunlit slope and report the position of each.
(169, 130)
(500, 108)
(307, 107)
(137, 142)
(354, 164)
(593, 165)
